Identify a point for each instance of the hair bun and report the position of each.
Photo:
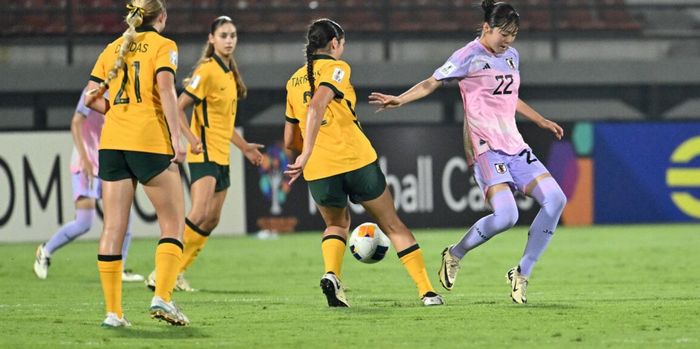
(487, 4)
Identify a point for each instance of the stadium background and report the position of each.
(620, 75)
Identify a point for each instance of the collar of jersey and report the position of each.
(315, 57)
(145, 28)
(221, 63)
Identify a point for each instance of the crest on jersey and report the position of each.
(338, 75)
(500, 168)
(510, 62)
(173, 58)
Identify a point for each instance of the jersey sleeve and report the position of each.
(81, 108)
(456, 67)
(289, 115)
(166, 58)
(336, 76)
(197, 87)
(98, 73)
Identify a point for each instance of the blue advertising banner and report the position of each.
(647, 172)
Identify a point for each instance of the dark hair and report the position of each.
(500, 14)
(208, 52)
(320, 33)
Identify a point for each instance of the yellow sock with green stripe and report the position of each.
(168, 262)
(194, 239)
(110, 268)
(412, 260)
(333, 250)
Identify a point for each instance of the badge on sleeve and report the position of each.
(447, 69)
(195, 81)
(338, 75)
(173, 58)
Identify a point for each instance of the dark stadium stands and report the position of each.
(96, 17)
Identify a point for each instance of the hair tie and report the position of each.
(133, 10)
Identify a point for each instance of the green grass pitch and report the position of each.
(597, 287)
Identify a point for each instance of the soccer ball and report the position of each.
(368, 244)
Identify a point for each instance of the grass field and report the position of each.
(602, 287)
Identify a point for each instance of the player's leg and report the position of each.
(117, 199)
(533, 179)
(164, 190)
(332, 201)
(128, 275)
(411, 256)
(333, 243)
(84, 197)
(493, 177)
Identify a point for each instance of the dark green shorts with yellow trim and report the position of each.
(219, 172)
(364, 184)
(116, 165)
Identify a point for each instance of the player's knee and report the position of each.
(555, 202)
(84, 222)
(506, 216)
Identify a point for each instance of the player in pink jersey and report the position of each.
(487, 72)
(86, 127)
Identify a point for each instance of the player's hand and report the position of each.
(86, 170)
(196, 146)
(180, 152)
(252, 153)
(295, 170)
(553, 127)
(384, 101)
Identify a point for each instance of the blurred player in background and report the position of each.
(140, 142)
(488, 76)
(338, 161)
(214, 89)
(85, 127)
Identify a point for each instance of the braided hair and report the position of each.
(319, 34)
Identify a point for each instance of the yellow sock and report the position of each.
(194, 239)
(333, 250)
(168, 262)
(412, 260)
(110, 268)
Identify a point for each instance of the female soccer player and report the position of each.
(85, 127)
(487, 71)
(140, 142)
(338, 161)
(215, 88)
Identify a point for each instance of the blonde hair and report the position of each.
(140, 12)
(208, 52)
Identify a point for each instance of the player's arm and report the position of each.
(184, 102)
(527, 111)
(76, 130)
(168, 98)
(250, 150)
(292, 137)
(416, 92)
(314, 116)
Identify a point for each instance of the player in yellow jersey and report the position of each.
(140, 142)
(338, 161)
(214, 89)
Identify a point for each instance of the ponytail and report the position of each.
(140, 12)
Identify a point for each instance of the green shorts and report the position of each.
(219, 172)
(116, 165)
(364, 184)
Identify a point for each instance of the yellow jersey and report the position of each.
(135, 120)
(213, 88)
(340, 146)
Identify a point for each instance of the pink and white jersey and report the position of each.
(92, 127)
(489, 86)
